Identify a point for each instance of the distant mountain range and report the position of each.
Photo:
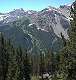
(36, 30)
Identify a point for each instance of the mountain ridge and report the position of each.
(44, 27)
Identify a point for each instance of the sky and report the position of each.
(9, 5)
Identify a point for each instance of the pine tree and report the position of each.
(50, 68)
(42, 65)
(64, 40)
(68, 59)
(12, 64)
(19, 59)
(72, 45)
(4, 56)
(26, 67)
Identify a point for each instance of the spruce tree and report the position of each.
(72, 45)
(19, 59)
(26, 67)
(68, 57)
(4, 56)
(42, 65)
(12, 64)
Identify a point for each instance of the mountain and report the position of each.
(41, 29)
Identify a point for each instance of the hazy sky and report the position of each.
(9, 5)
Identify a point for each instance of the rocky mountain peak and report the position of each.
(49, 18)
(45, 26)
(17, 11)
(65, 6)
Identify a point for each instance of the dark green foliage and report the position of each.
(72, 45)
(13, 64)
(64, 40)
(68, 56)
(4, 56)
(19, 59)
(42, 65)
(26, 67)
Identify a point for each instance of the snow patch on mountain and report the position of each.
(42, 29)
(1, 17)
(49, 19)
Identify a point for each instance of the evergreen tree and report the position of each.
(19, 59)
(42, 65)
(4, 56)
(72, 45)
(26, 67)
(50, 62)
(64, 40)
(68, 56)
(12, 68)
